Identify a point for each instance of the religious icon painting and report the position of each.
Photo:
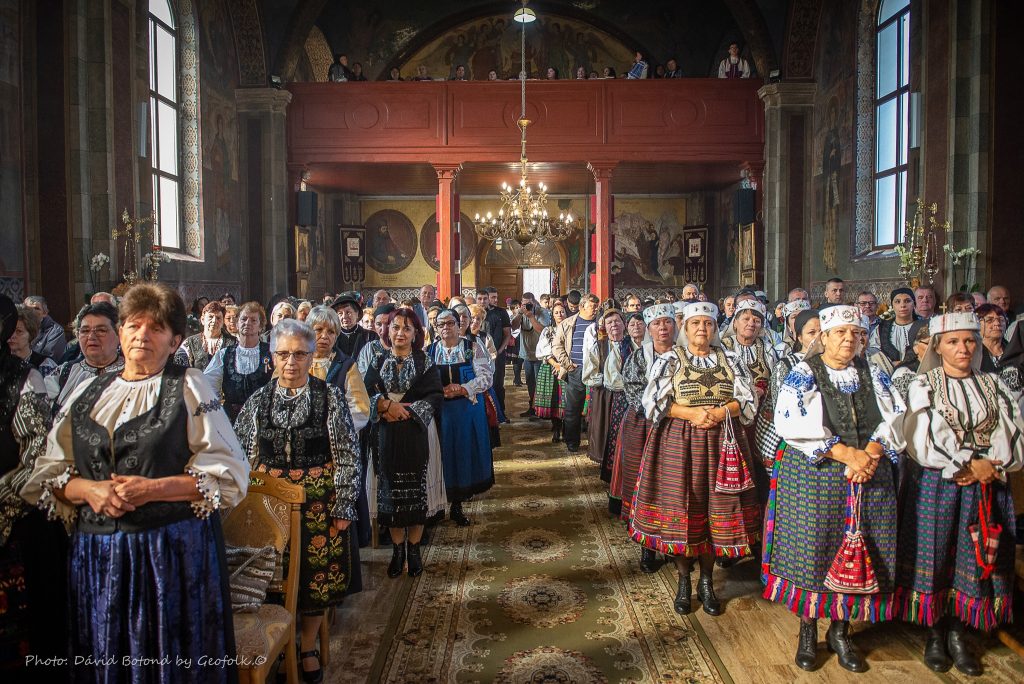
(301, 249)
(428, 241)
(748, 255)
(390, 241)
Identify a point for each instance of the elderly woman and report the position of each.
(790, 310)
(908, 368)
(33, 551)
(373, 349)
(278, 313)
(602, 372)
(806, 328)
(550, 379)
(839, 418)
(236, 371)
(303, 309)
(299, 428)
(96, 331)
(139, 465)
(964, 433)
(466, 374)
(197, 350)
(682, 506)
(352, 337)
(478, 333)
(749, 340)
(632, 434)
(993, 347)
(405, 398)
(20, 341)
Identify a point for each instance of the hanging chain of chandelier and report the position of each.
(523, 215)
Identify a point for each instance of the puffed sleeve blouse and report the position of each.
(800, 411)
(217, 461)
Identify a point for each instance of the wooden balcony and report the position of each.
(682, 120)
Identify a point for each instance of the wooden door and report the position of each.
(507, 279)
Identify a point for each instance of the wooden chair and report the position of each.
(269, 515)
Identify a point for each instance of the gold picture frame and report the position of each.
(748, 248)
(301, 249)
(302, 285)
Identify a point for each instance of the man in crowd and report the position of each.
(529, 327)
(567, 347)
(540, 312)
(639, 68)
(514, 307)
(428, 293)
(499, 327)
(339, 71)
(925, 301)
(728, 309)
(835, 289)
(572, 301)
(867, 304)
(1000, 296)
(631, 304)
(798, 293)
(381, 297)
(51, 341)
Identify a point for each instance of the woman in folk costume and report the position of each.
(790, 310)
(832, 493)
(235, 372)
(684, 504)
(964, 433)
(477, 332)
(139, 464)
(466, 375)
(632, 435)
(907, 369)
(749, 339)
(405, 402)
(806, 328)
(300, 429)
(602, 373)
(894, 334)
(550, 381)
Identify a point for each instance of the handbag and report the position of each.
(733, 474)
(985, 534)
(852, 571)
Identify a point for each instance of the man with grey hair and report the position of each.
(381, 297)
(51, 341)
(428, 293)
(798, 293)
(102, 297)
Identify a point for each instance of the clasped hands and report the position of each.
(119, 495)
(454, 391)
(861, 464)
(704, 417)
(978, 470)
(392, 411)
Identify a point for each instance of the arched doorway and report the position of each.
(503, 265)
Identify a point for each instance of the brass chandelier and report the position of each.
(523, 215)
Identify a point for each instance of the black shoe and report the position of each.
(960, 653)
(312, 676)
(572, 448)
(397, 560)
(838, 641)
(516, 384)
(807, 646)
(457, 516)
(415, 561)
(556, 437)
(706, 594)
(527, 413)
(649, 561)
(936, 657)
(682, 602)
(726, 562)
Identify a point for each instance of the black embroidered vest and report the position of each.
(303, 446)
(237, 388)
(853, 417)
(13, 373)
(455, 373)
(200, 357)
(153, 444)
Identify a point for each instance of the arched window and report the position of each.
(892, 120)
(164, 122)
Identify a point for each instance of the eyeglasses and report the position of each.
(446, 324)
(867, 303)
(992, 320)
(98, 333)
(299, 356)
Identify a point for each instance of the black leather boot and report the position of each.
(397, 560)
(415, 561)
(556, 431)
(649, 561)
(838, 641)
(682, 602)
(457, 516)
(956, 641)
(706, 594)
(936, 656)
(807, 646)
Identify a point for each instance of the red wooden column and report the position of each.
(446, 174)
(602, 223)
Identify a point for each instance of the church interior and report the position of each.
(207, 144)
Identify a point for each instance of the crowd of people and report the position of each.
(865, 453)
(733, 65)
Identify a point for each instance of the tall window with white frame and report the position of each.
(892, 120)
(163, 121)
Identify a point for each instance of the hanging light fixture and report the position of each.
(523, 215)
